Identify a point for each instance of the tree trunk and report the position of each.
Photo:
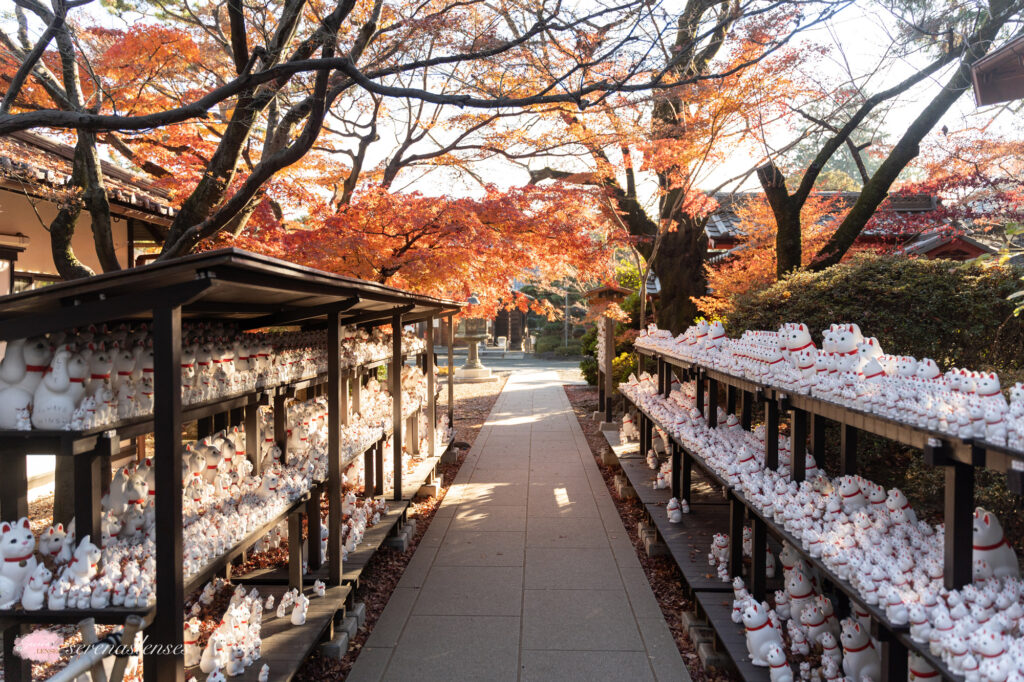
(61, 230)
(94, 193)
(786, 210)
(680, 270)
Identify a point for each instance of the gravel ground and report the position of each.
(662, 572)
(473, 402)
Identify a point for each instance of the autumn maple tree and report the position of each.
(653, 159)
(452, 247)
(753, 264)
(956, 38)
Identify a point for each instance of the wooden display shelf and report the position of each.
(689, 542)
(717, 608)
(83, 442)
(422, 473)
(112, 615)
(976, 452)
(217, 565)
(285, 646)
(352, 567)
(228, 285)
(390, 523)
(642, 478)
(897, 633)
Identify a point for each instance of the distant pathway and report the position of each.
(526, 572)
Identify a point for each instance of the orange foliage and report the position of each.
(752, 264)
(451, 247)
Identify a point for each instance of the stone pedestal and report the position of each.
(473, 372)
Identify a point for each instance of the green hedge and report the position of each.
(954, 313)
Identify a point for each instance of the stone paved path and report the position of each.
(526, 572)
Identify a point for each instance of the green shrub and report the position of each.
(954, 313)
(622, 366)
(548, 343)
(588, 367)
(574, 349)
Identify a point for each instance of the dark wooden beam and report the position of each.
(379, 316)
(170, 583)
(102, 310)
(395, 376)
(298, 315)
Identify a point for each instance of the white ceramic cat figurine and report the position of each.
(22, 369)
(990, 545)
(299, 610)
(60, 392)
(760, 635)
(101, 365)
(214, 654)
(779, 667)
(675, 514)
(860, 658)
(85, 562)
(34, 596)
(51, 541)
(17, 545)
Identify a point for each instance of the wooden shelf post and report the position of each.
(428, 362)
(451, 371)
(712, 403)
(166, 629)
(771, 434)
(335, 415)
(798, 445)
(395, 375)
(736, 517)
(847, 450)
(959, 521)
(676, 466)
(758, 559)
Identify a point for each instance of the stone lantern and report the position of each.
(473, 330)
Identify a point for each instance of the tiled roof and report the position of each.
(41, 166)
(725, 225)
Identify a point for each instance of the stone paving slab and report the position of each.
(526, 572)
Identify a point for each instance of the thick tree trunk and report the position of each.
(94, 193)
(680, 269)
(786, 210)
(61, 230)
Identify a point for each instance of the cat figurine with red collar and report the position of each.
(60, 392)
(986, 387)
(779, 667)
(798, 338)
(21, 371)
(17, 546)
(51, 541)
(34, 596)
(990, 545)
(716, 334)
(761, 636)
(845, 339)
(860, 658)
(899, 508)
(85, 562)
(801, 593)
